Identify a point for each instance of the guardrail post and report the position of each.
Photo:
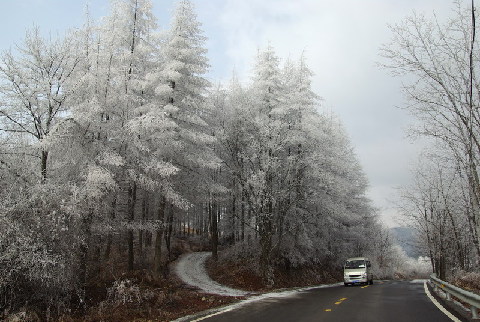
(474, 312)
(449, 297)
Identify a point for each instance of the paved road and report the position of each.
(389, 301)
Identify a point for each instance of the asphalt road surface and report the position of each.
(389, 301)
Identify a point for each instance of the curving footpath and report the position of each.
(190, 268)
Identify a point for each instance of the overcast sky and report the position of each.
(341, 41)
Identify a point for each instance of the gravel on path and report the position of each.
(190, 268)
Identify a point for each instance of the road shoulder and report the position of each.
(453, 309)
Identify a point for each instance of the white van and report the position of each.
(357, 270)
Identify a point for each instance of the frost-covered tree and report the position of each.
(437, 205)
(118, 122)
(36, 84)
(442, 62)
(295, 184)
(267, 89)
(181, 93)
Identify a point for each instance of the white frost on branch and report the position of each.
(99, 181)
(111, 158)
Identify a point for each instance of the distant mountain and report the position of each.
(406, 238)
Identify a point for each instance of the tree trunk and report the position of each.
(141, 232)
(214, 229)
(473, 231)
(242, 218)
(110, 237)
(43, 167)
(169, 231)
(266, 247)
(132, 193)
(234, 214)
(86, 231)
(159, 237)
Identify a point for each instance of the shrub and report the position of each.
(39, 260)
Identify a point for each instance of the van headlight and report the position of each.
(364, 274)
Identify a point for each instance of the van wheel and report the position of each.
(346, 284)
(371, 282)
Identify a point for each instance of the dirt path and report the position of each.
(191, 270)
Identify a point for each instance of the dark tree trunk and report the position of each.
(169, 231)
(110, 237)
(214, 229)
(141, 233)
(242, 218)
(442, 268)
(132, 193)
(266, 248)
(234, 214)
(159, 237)
(43, 166)
(86, 231)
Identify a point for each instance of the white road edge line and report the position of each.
(213, 314)
(438, 305)
(274, 295)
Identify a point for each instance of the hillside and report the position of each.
(407, 239)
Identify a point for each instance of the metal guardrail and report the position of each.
(450, 290)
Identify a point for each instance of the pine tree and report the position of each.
(181, 90)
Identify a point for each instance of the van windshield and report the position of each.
(355, 264)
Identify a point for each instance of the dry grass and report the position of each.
(469, 281)
(140, 296)
(240, 274)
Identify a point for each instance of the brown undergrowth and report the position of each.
(468, 281)
(241, 274)
(154, 301)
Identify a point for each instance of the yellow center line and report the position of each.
(365, 286)
(340, 301)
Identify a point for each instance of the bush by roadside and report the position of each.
(243, 273)
(469, 281)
